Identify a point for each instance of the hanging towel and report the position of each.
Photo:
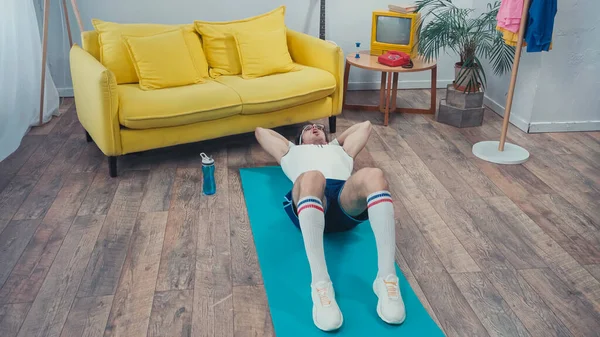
(540, 25)
(509, 15)
(509, 37)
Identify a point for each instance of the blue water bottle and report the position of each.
(209, 186)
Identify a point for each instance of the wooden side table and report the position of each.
(389, 83)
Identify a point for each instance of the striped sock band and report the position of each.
(378, 197)
(309, 202)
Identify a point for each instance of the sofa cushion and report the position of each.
(219, 42)
(162, 60)
(114, 55)
(263, 53)
(141, 109)
(280, 91)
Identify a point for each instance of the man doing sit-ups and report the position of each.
(328, 197)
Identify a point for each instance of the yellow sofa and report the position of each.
(122, 118)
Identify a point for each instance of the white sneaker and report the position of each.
(390, 306)
(326, 313)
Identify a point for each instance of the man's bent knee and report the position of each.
(312, 176)
(373, 180)
(310, 183)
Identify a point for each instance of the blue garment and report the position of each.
(540, 24)
(336, 219)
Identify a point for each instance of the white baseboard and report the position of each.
(539, 127)
(65, 92)
(441, 84)
(564, 126)
(499, 109)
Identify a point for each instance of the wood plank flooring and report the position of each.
(490, 250)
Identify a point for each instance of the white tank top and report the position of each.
(330, 159)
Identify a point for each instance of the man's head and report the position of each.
(312, 134)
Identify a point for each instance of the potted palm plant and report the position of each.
(470, 36)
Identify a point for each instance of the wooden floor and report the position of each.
(490, 250)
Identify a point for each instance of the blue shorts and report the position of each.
(336, 219)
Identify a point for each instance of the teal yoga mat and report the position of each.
(351, 260)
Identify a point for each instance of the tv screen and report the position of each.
(393, 30)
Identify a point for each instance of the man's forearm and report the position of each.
(278, 135)
(341, 138)
(272, 142)
(349, 131)
(274, 134)
(357, 139)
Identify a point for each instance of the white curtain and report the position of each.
(20, 74)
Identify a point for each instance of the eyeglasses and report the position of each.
(318, 126)
(309, 127)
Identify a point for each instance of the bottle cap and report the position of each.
(206, 160)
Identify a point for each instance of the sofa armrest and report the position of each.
(96, 100)
(314, 52)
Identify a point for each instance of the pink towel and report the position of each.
(509, 15)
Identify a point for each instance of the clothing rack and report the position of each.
(45, 42)
(493, 151)
(513, 77)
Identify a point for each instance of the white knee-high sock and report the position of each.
(381, 216)
(312, 224)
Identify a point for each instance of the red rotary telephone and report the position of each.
(394, 58)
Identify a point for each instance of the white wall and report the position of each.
(347, 22)
(557, 90)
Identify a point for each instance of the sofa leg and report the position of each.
(88, 138)
(112, 166)
(332, 121)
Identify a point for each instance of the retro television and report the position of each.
(394, 31)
